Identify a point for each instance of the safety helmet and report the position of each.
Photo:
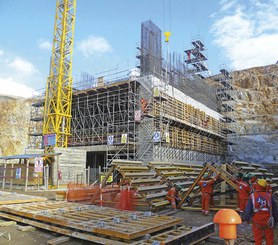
(239, 175)
(262, 182)
(205, 176)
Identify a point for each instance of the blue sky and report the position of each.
(240, 34)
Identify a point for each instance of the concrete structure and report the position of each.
(165, 112)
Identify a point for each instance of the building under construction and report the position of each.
(161, 111)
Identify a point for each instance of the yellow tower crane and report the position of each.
(58, 94)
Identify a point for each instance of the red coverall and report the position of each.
(269, 188)
(253, 183)
(261, 204)
(206, 189)
(244, 191)
(173, 196)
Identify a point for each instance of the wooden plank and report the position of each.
(224, 175)
(133, 168)
(13, 198)
(156, 195)
(137, 175)
(152, 188)
(64, 231)
(58, 240)
(145, 181)
(7, 223)
(191, 188)
(109, 172)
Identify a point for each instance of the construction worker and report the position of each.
(244, 191)
(173, 195)
(253, 182)
(268, 186)
(263, 209)
(206, 185)
(144, 105)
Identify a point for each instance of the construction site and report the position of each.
(91, 162)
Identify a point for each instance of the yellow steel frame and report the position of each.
(58, 95)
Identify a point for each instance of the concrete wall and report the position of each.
(71, 162)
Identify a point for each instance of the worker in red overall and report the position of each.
(263, 209)
(244, 191)
(173, 195)
(206, 185)
(253, 183)
(268, 186)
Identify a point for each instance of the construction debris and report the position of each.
(7, 223)
(6, 235)
(25, 228)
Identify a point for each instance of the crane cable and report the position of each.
(167, 34)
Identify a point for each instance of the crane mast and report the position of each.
(58, 94)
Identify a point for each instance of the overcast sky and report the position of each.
(239, 34)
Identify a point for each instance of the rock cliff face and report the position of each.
(256, 96)
(14, 121)
(255, 103)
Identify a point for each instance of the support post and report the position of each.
(12, 177)
(4, 175)
(27, 175)
(223, 188)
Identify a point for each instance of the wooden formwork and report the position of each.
(186, 113)
(150, 181)
(103, 221)
(104, 225)
(225, 185)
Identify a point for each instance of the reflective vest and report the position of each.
(261, 201)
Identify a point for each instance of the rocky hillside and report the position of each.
(256, 107)
(14, 120)
(255, 94)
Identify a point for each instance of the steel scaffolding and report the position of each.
(225, 95)
(104, 115)
(165, 112)
(36, 121)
